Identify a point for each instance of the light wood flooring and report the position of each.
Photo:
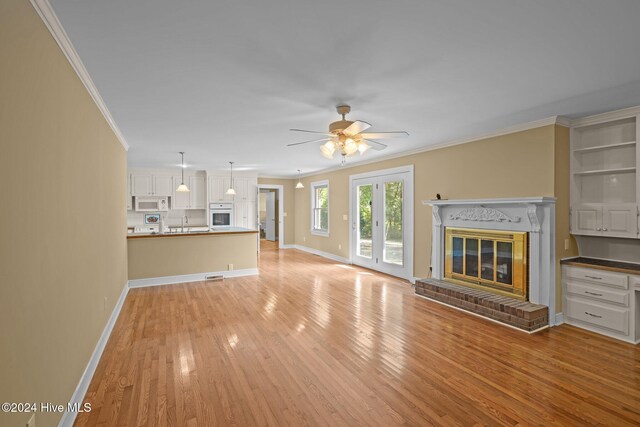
(315, 342)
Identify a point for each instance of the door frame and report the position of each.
(408, 203)
(280, 189)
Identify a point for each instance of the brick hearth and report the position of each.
(520, 314)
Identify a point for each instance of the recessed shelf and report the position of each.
(605, 147)
(606, 171)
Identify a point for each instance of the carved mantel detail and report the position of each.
(483, 214)
(436, 216)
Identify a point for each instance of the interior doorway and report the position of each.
(270, 203)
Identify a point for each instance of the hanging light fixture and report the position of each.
(182, 188)
(231, 191)
(299, 184)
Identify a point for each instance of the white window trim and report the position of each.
(312, 187)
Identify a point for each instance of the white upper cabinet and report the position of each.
(198, 192)
(195, 198)
(141, 185)
(218, 186)
(246, 188)
(604, 182)
(129, 198)
(162, 185)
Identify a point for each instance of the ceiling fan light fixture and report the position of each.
(362, 147)
(328, 149)
(350, 147)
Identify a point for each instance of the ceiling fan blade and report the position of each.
(383, 135)
(356, 127)
(376, 145)
(311, 131)
(309, 142)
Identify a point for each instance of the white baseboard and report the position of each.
(323, 254)
(559, 319)
(169, 280)
(288, 246)
(68, 418)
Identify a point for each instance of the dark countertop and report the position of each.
(212, 232)
(603, 264)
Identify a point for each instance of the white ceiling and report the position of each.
(225, 80)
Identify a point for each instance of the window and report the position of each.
(320, 208)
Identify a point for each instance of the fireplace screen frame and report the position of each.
(519, 255)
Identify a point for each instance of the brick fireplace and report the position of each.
(495, 258)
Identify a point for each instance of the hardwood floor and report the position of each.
(314, 342)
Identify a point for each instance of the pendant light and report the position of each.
(182, 188)
(231, 191)
(299, 184)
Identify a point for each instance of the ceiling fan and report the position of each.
(347, 137)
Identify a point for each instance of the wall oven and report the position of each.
(221, 214)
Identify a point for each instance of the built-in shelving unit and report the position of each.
(604, 176)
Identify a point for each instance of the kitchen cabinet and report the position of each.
(605, 187)
(218, 186)
(246, 188)
(600, 301)
(129, 197)
(244, 214)
(195, 198)
(141, 185)
(612, 220)
(151, 185)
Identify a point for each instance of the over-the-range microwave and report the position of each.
(148, 204)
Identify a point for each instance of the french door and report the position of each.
(382, 222)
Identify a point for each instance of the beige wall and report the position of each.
(178, 255)
(62, 244)
(290, 193)
(527, 163)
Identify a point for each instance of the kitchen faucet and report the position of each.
(185, 219)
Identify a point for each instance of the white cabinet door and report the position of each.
(252, 220)
(240, 185)
(163, 185)
(129, 198)
(141, 185)
(217, 188)
(586, 220)
(239, 214)
(252, 189)
(620, 220)
(198, 198)
(180, 200)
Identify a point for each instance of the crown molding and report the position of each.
(606, 117)
(48, 16)
(553, 120)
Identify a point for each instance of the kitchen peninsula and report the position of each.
(185, 257)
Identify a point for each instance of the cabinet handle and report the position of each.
(593, 315)
(593, 293)
(593, 277)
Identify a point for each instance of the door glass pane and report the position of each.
(471, 257)
(458, 249)
(486, 257)
(504, 263)
(365, 221)
(393, 233)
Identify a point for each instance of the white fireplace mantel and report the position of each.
(535, 215)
